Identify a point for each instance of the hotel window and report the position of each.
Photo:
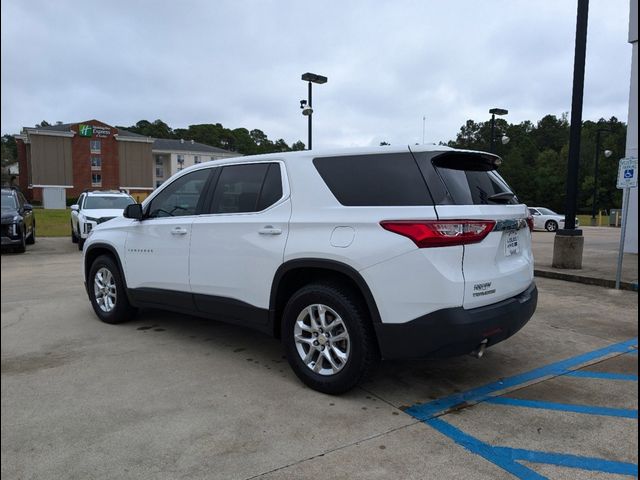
(95, 146)
(96, 163)
(159, 167)
(159, 182)
(196, 159)
(96, 180)
(180, 162)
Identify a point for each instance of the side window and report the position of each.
(81, 201)
(374, 180)
(181, 197)
(238, 188)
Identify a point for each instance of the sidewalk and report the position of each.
(599, 259)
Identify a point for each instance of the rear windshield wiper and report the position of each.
(501, 197)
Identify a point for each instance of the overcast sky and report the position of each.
(239, 63)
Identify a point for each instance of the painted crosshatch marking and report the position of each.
(432, 414)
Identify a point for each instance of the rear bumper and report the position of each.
(456, 331)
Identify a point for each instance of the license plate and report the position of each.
(511, 244)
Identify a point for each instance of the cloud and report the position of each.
(239, 63)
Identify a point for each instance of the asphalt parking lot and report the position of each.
(168, 396)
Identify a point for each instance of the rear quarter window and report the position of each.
(374, 180)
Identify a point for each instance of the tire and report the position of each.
(74, 237)
(343, 314)
(551, 226)
(23, 242)
(80, 243)
(111, 304)
(32, 238)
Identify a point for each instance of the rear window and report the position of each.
(374, 180)
(465, 179)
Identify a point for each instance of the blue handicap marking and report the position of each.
(509, 458)
(628, 173)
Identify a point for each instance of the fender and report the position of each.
(112, 250)
(325, 264)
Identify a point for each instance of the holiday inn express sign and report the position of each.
(94, 131)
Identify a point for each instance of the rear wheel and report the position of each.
(551, 226)
(328, 338)
(107, 291)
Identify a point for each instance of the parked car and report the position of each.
(18, 223)
(547, 219)
(94, 208)
(347, 256)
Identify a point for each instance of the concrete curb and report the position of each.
(600, 282)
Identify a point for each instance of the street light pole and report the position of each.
(306, 106)
(594, 205)
(568, 243)
(494, 112)
(310, 116)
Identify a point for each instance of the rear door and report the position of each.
(238, 242)
(466, 186)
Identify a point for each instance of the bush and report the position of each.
(71, 201)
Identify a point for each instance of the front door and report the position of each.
(157, 247)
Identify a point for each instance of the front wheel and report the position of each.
(32, 238)
(551, 226)
(22, 246)
(74, 237)
(107, 291)
(328, 338)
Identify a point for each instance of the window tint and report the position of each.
(8, 201)
(181, 197)
(272, 187)
(465, 179)
(108, 202)
(238, 188)
(374, 180)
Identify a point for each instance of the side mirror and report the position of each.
(133, 211)
(27, 207)
(75, 208)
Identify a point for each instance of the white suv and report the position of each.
(94, 208)
(347, 256)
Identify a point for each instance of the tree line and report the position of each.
(536, 157)
(534, 160)
(241, 140)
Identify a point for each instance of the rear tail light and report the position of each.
(530, 222)
(440, 233)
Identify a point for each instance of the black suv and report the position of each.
(18, 224)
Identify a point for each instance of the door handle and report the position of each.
(269, 230)
(179, 231)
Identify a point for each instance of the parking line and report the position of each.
(603, 375)
(441, 406)
(571, 461)
(564, 407)
(506, 457)
(484, 450)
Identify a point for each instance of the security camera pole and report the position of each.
(306, 107)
